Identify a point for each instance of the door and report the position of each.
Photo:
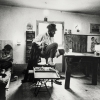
(58, 37)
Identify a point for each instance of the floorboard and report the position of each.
(80, 89)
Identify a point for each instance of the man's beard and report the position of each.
(51, 34)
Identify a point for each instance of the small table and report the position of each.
(43, 75)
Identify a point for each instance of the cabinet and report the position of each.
(78, 43)
(30, 35)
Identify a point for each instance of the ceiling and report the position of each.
(77, 6)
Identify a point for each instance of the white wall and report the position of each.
(13, 22)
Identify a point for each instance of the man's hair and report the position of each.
(52, 27)
(8, 47)
(61, 51)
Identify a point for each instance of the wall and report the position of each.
(13, 22)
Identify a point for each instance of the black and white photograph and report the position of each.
(49, 49)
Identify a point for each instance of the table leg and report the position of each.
(87, 69)
(37, 88)
(39, 85)
(67, 80)
(47, 89)
(67, 74)
(94, 74)
(63, 63)
(51, 82)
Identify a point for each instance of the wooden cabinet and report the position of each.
(78, 43)
(30, 35)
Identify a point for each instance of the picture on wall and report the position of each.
(94, 28)
(91, 42)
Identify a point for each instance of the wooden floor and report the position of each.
(80, 89)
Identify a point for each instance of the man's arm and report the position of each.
(8, 57)
(38, 39)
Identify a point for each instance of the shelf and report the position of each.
(30, 35)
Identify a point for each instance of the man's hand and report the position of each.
(38, 43)
(41, 45)
(7, 58)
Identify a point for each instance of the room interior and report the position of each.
(77, 18)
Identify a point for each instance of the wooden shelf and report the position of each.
(30, 35)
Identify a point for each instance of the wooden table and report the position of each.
(43, 75)
(66, 65)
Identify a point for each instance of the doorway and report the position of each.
(59, 36)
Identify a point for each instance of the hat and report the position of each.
(61, 51)
(52, 27)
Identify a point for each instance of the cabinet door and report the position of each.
(79, 43)
(76, 43)
(30, 35)
(83, 43)
(68, 42)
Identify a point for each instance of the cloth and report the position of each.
(34, 57)
(35, 52)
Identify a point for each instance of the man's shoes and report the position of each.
(51, 63)
(58, 82)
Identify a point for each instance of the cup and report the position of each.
(70, 50)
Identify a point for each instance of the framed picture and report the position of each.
(92, 40)
(94, 28)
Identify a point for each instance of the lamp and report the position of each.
(46, 12)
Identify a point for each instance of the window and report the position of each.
(58, 38)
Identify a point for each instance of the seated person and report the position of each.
(44, 46)
(5, 60)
